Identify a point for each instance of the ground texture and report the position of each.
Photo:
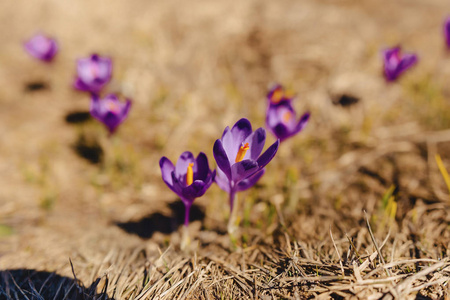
(354, 206)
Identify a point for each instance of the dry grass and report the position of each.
(192, 68)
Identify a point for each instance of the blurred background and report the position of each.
(192, 68)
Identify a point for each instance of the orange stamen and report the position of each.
(277, 95)
(287, 116)
(189, 174)
(241, 153)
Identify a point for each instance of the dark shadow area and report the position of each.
(345, 100)
(38, 285)
(78, 117)
(158, 222)
(89, 149)
(36, 86)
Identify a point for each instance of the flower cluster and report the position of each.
(239, 153)
(93, 74)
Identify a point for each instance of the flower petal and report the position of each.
(256, 142)
(281, 132)
(302, 122)
(249, 182)
(222, 181)
(125, 110)
(240, 131)
(267, 156)
(202, 169)
(167, 172)
(221, 158)
(243, 169)
(408, 60)
(182, 164)
(167, 168)
(229, 144)
(195, 190)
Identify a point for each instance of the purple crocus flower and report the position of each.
(109, 110)
(189, 178)
(41, 47)
(447, 31)
(239, 159)
(281, 117)
(93, 73)
(395, 63)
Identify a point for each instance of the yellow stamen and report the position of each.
(277, 95)
(287, 116)
(241, 153)
(189, 174)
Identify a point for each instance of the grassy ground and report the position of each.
(67, 191)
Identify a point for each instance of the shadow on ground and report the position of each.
(38, 285)
(36, 86)
(89, 149)
(77, 117)
(157, 222)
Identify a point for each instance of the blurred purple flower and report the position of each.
(93, 73)
(189, 178)
(395, 63)
(281, 118)
(109, 110)
(238, 156)
(447, 31)
(41, 47)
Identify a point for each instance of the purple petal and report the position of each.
(229, 144)
(221, 158)
(233, 139)
(281, 132)
(267, 156)
(182, 164)
(222, 181)
(167, 168)
(241, 130)
(177, 186)
(249, 182)
(167, 173)
(408, 60)
(195, 190)
(111, 121)
(202, 167)
(447, 31)
(389, 52)
(302, 122)
(256, 142)
(80, 85)
(243, 169)
(125, 110)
